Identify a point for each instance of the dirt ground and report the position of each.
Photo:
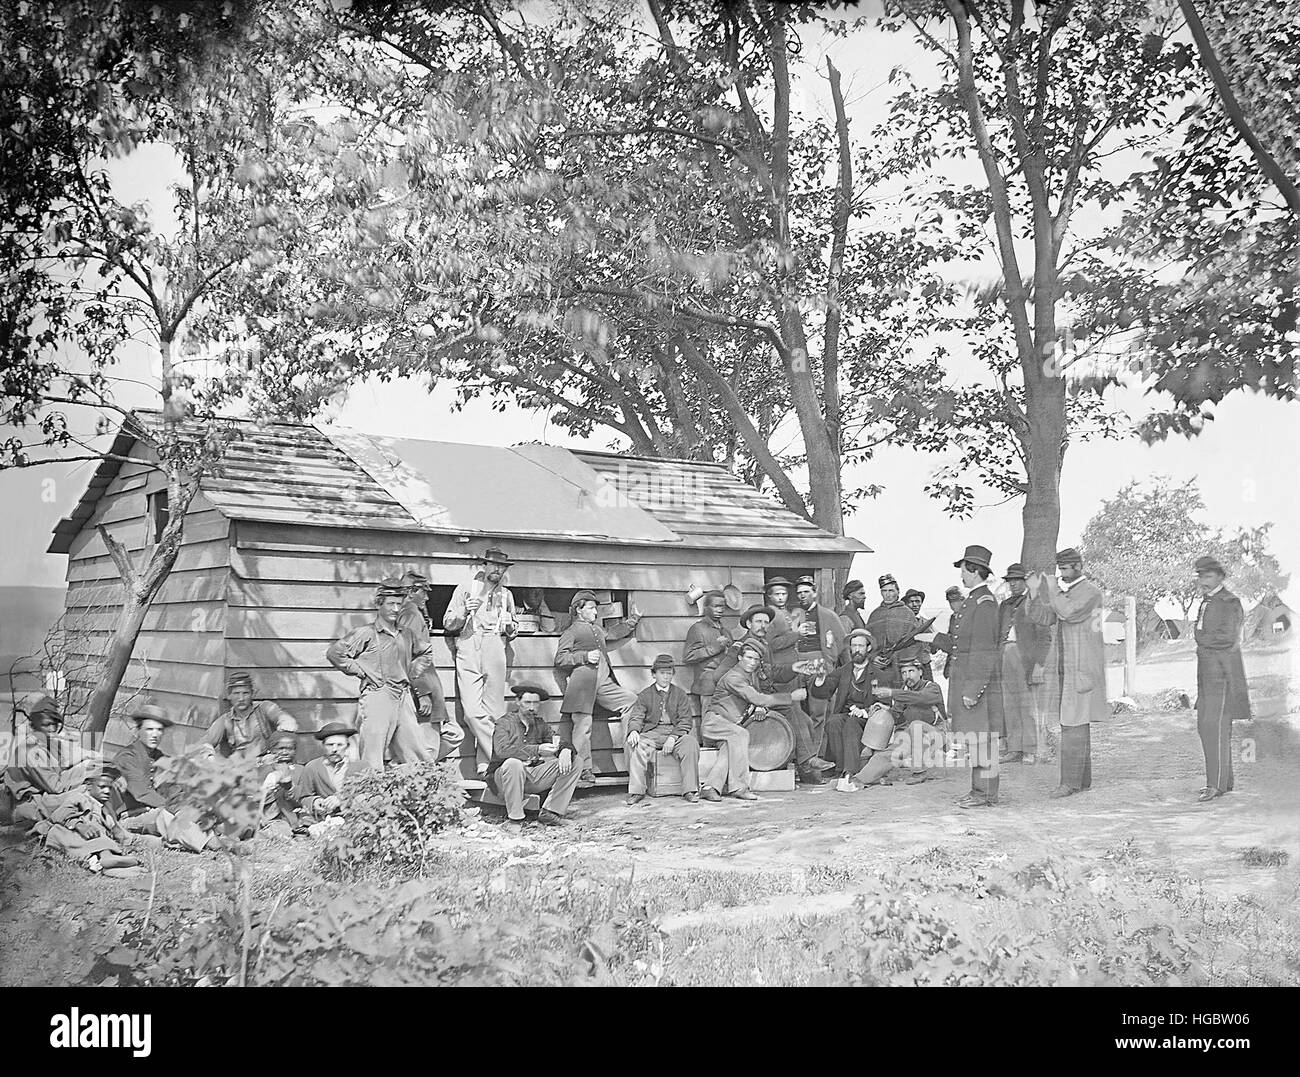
(1147, 770)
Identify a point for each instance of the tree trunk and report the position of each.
(1041, 515)
(120, 649)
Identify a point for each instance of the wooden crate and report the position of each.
(772, 781)
(664, 774)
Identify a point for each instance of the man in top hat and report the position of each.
(662, 720)
(527, 759)
(384, 658)
(43, 763)
(583, 670)
(145, 804)
(247, 727)
(850, 690)
(279, 793)
(318, 785)
(1023, 649)
(889, 624)
(481, 620)
(440, 732)
(708, 641)
(1221, 696)
(974, 711)
(735, 696)
(855, 601)
(782, 636)
(1075, 671)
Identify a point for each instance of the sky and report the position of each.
(1245, 460)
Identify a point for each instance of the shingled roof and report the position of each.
(304, 475)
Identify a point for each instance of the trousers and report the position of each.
(388, 714)
(686, 751)
(844, 735)
(613, 697)
(730, 774)
(809, 723)
(182, 828)
(481, 685)
(1076, 756)
(515, 780)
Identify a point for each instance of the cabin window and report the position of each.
(543, 609)
(156, 510)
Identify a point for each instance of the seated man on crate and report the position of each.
(528, 760)
(662, 719)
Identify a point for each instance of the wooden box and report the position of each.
(664, 774)
(772, 781)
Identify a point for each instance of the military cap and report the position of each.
(887, 580)
(1210, 564)
(239, 680)
(976, 555)
(663, 661)
(953, 592)
(392, 587)
(749, 643)
(909, 656)
(334, 729)
(580, 598)
(713, 593)
(107, 770)
(1016, 572)
(521, 690)
(1069, 556)
(748, 615)
(805, 580)
(415, 579)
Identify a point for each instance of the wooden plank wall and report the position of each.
(291, 591)
(180, 654)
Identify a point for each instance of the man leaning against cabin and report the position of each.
(145, 803)
(482, 621)
(662, 720)
(248, 726)
(443, 735)
(528, 760)
(1221, 696)
(583, 670)
(318, 786)
(384, 658)
(707, 642)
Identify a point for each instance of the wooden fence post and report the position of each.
(1130, 645)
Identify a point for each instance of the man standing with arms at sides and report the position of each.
(582, 666)
(889, 624)
(384, 658)
(1078, 668)
(707, 643)
(661, 719)
(971, 672)
(426, 689)
(1221, 696)
(527, 760)
(1021, 661)
(481, 618)
(855, 601)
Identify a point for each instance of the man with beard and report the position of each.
(889, 624)
(707, 644)
(318, 786)
(1021, 658)
(918, 713)
(1221, 696)
(849, 690)
(481, 619)
(527, 759)
(855, 601)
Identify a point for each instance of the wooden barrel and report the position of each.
(771, 742)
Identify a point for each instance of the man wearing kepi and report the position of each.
(249, 725)
(662, 719)
(384, 657)
(1020, 661)
(1221, 696)
(971, 672)
(430, 700)
(583, 669)
(707, 642)
(527, 759)
(889, 624)
(481, 617)
(1078, 669)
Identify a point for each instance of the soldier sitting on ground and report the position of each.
(318, 786)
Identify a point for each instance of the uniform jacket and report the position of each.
(706, 647)
(771, 674)
(736, 693)
(227, 735)
(782, 639)
(973, 665)
(1075, 665)
(137, 764)
(844, 690)
(513, 739)
(1220, 672)
(315, 780)
(668, 712)
(923, 703)
(380, 656)
(575, 674)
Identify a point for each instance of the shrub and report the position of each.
(388, 817)
(226, 792)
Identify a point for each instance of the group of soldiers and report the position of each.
(858, 694)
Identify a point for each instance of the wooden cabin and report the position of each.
(283, 548)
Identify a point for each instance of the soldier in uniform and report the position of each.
(1076, 664)
(889, 624)
(441, 733)
(248, 726)
(145, 803)
(782, 638)
(1022, 653)
(1221, 695)
(582, 666)
(481, 619)
(855, 601)
(662, 720)
(918, 712)
(707, 644)
(971, 672)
